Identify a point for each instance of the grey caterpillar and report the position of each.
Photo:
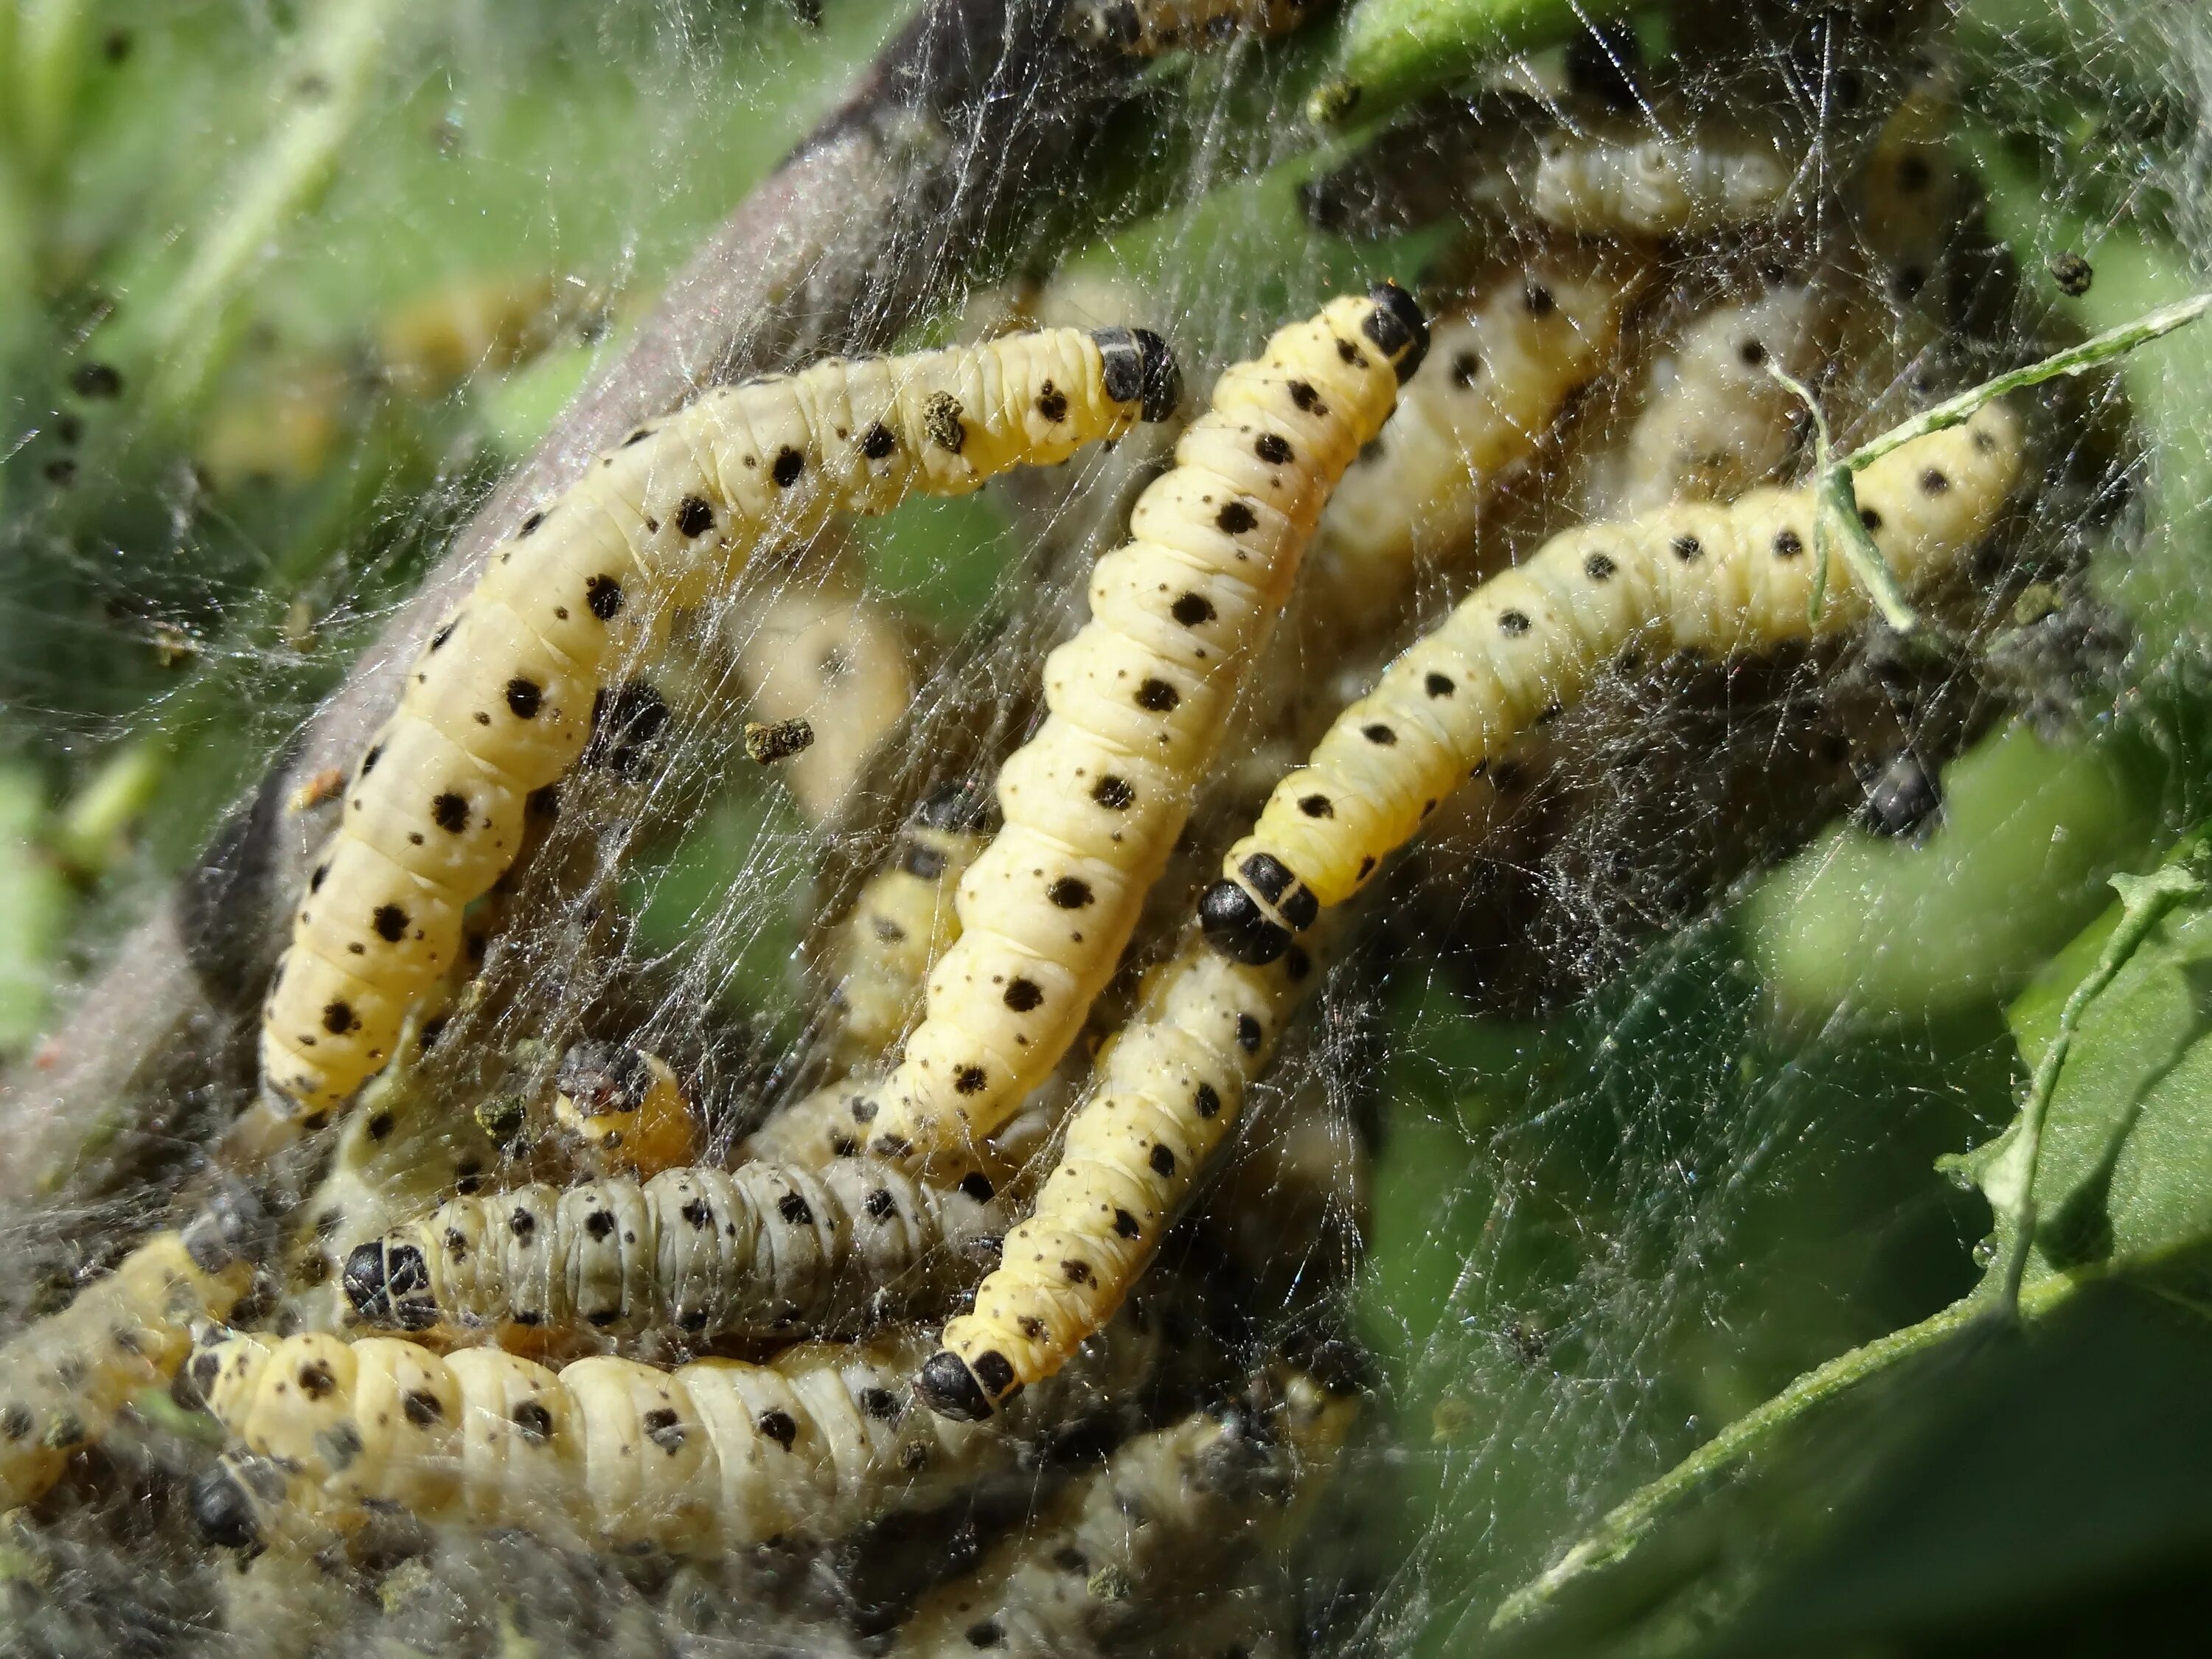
(506, 695)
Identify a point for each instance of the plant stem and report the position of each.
(1836, 516)
(1390, 52)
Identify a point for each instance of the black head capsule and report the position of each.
(956, 806)
(1139, 368)
(1238, 929)
(948, 1388)
(1397, 324)
(391, 1286)
(223, 1510)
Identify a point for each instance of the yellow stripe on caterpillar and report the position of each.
(759, 1251)
(1720, 578)
(509, 691)
(717, 1456)
(1137, 699)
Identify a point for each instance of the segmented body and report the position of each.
(64, 1378)
(1138, 699)
(759, 1251)
(506, 695)
(1630, 182)
(1716, 578)
(714, 1457)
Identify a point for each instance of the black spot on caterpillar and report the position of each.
(1139, 696)
(672, 515)
(714, 1457)
(1715, 578)
(63, 1378)
(757, 1251)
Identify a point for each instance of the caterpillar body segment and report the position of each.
(1171, 1086)
(1720, 579)
(1145, 28)
(64, 1378)
(759, 1251)
(902, 921)
(628, 1106)
(1495, 379)
(717, 1456)
(1632, 182)
(506, 695)
(1171, 1518)
(1137, 699)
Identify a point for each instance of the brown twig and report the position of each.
(944, 162)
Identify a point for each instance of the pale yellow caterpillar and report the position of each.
(1715, 421)
(1152, 1541)
(1720, 578)
(1145, 28)
(715, 1456)
(1170, 1085)
(1094, 802)
(505, 696)
(1625, 181)
(1493, 383)
(63, 1377)
(759, 1251)
(902, 921)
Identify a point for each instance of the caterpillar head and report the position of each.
(231, 1501)
(952, 1388)
(1138, 365)
(1397, 326)
(388, 1282)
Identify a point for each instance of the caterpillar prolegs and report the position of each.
(760, 1251)
(1719, 577)
(504, 698)
(1138, 700)
(716, 1455)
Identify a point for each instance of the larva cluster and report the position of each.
(902, 921)
(64, 1378)
(1145, 28)
(506, 694)
(1494, 381)
(715, 1456)
(1720, 578)
(759, 1251)
(1170, 1087)
(1138, 699)
(1172, 1520)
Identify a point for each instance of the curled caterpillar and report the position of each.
(1495, 378)
(1145, 28)
(1170, 1085)
(1717, 578)
(626, 1105)
(506, 694)
(1093, 803)
(1715, 423)
(717, 1456)
(902, 922)
(1171, 1519)
(759, 1251)
(64, 1378)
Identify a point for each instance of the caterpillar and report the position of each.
(760, 1251)
(506, 695)
(1145, 28)
(64, 1378)
(1715, 423)
(1715, 578)
(901, 924)
(1495, 380)
(1629, 181)
(1146, 1545)
(717, 1456)
(626, 1105)
(1170, 1085)
(1093, 803)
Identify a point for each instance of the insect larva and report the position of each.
(715, 1456)
(1715, 423)
(1912, 194)
(1720, 578)
(1146, 1543)
(626, 1105)
(1137, 698)
(507, 693)
(1170, 1085)
(759, 1251)
(1493, 382)
(64, 1378)
(1628, 181)
(902, 922)
(1145, 28)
